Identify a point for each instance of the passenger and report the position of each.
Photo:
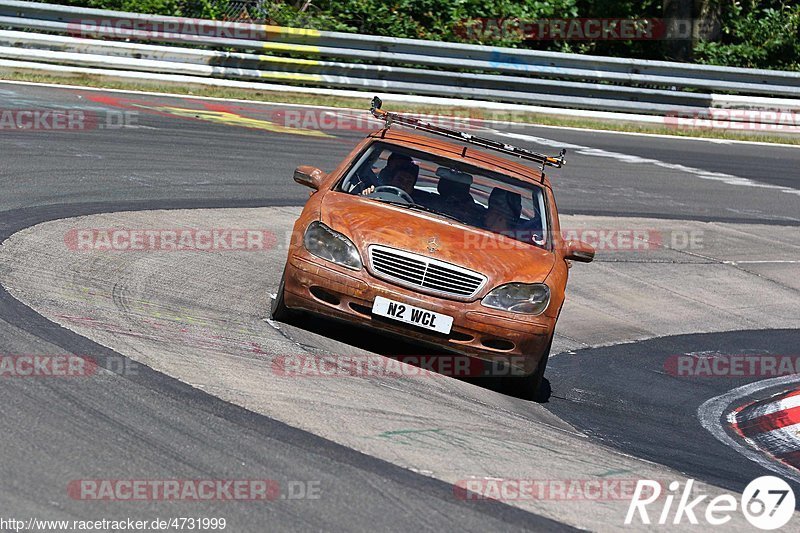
(454, 197)
(503, 213)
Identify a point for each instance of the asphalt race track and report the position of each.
(659, 422)
(201, 403)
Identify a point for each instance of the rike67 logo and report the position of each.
(767, 503)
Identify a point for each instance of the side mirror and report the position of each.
(579, 251)
(309, 176)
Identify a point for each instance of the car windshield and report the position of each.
(451, 189)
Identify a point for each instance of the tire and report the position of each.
(530, 387)
(278, 310)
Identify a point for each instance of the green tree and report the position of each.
(155, 7)
(755, 34)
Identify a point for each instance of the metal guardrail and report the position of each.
(442, 69)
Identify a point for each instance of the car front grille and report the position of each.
(424, 273)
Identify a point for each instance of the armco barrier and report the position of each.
(353, 61)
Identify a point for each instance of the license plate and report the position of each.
(410, 314)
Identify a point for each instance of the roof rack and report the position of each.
(397, 118)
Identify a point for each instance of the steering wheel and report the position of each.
(389, 192)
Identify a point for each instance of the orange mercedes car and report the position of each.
(443, 243)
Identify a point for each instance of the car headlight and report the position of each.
(531, 299)
(322, 241)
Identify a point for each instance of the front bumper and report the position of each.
(318, 286)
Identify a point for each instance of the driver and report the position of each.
(404, 176)
(394, 161)
(366, 179)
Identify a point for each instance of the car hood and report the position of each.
(501, 259)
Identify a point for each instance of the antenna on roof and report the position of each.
(398, 118)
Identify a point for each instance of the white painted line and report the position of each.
(766, 261)
(710, 416)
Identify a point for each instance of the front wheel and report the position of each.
(529, 387)
(278, 310)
